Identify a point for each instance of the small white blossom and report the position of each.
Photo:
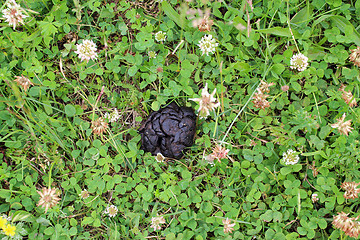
(112, 117)
(111, 211)
(290, 157)
(84, 194)
(156, 221)
(152, 54)
(14, 14)
(86, 50)
(207, 45)
(314, 197)
(299, 62)
(160, 158)
(207, 102)
(160, 36)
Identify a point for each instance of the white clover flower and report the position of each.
(14, 13)
(86, 50)
(156, 221)
(160, 158)
(207, 102)
(84, 194)
(314, 197)
(112, 117)
(299, 62)
(160, 36)
(207, 45)
(111, 211)
(152, 54)
(290, 157)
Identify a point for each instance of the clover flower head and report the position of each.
(160, 36)
(355, 56)
(207, 45)
(160, 158)
(156, 221)
(342, 126)
(9, 230)
(351, 190)
(203, 23)
(228, 226)
(299, 62)
(24, 82)
(350, 226)
(86, 50)
(48, 198)
(112, 117)
(264, 86)
(290, 157)
(207, 102)
(99, 126)
(285, 88)
(152, 54)
(14, 14)
(260, 100)
(219, 152)
(347, 96)
(314, 197)
(84, 194)
(111, 211)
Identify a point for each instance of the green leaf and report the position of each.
(70, 110)
(285, 170)
(303, 16)
(22, 216)
(207, 195)
(278, 31)
(169, 11)
(278, 68)
(132, 70)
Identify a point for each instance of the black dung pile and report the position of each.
(169, 131)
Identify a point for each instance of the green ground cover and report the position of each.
(276, 151)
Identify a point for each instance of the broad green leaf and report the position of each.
(279, 31)
(173, 15)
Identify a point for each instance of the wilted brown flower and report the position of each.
(24, 82)
(355, 56)
(99, 126)
(219, 152)
(351, 192)
(350, 226)
(264, 86)
(203, 23)
(14, 14)
(347, 96)
(48, 198)
(228, 228)
(343, 127)
(260, 100)
(314, 169)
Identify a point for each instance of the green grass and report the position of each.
(47, 138)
